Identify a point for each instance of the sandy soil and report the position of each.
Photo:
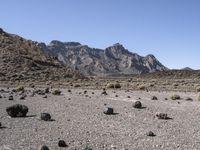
(80, 121)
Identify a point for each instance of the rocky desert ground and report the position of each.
(79, 116)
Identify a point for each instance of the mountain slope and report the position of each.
(22, 59)
(113, 60)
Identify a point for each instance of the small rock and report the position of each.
(22, 97)
(88, 148)
(10, 98)
(46, 90)
(17, 110)
(109, 111)
(104, 93)
(0, 124)
(137, 104)
(45, 96)
(0, 96)
(189, 99)
(154, 98)
(150, 133)
(161, 115)
(62, 143)
(45, 116)
(85, 92)
(43, 147)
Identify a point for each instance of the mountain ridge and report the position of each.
(114, 59)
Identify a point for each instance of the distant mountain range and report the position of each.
(114, 60)
(21, 58)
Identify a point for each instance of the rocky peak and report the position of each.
(71, 44)
(57, 43)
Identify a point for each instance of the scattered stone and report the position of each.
(56, 92)
(17, 110)
(62, 143)
(189, 99)
(92, 92)
(104, 93)
(45, 116)
(128, 97)
(109, 111)
(43, 147)
(69, 91)
(166, 98)
(161, 115)
(0, 124)
(45, 96)
(137, 104)
(150, 133)
(116, 96)
(10, 98)
(22, 97)
(46, 90)
(85, 92)
(0, 96)
(87, 148)
(154, 98)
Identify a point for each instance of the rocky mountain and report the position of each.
(113, 60)
(22, 59)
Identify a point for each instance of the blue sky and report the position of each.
(169, 29)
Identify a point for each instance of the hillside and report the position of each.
(22, 59)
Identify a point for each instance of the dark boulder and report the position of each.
(45, 116)
(137, 104)
(109, 111)
(17, 110)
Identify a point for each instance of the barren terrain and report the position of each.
(79, 119)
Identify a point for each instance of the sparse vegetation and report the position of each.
(175, 97)
(19, 89)
(198, 88)
(56, 92)
(113, 85)
(141, 87)
(199, 97)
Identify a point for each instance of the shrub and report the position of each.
(19, 89)
(198, 88)
(175, 97)
(113, 85)
(56, 92)
(117, 85)
(141, 87)
(199, 97)
(110, 85)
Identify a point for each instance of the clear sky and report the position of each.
(169, 29)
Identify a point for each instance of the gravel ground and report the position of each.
(79, 121)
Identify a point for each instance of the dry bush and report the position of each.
(56, 92)
(175, 97)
